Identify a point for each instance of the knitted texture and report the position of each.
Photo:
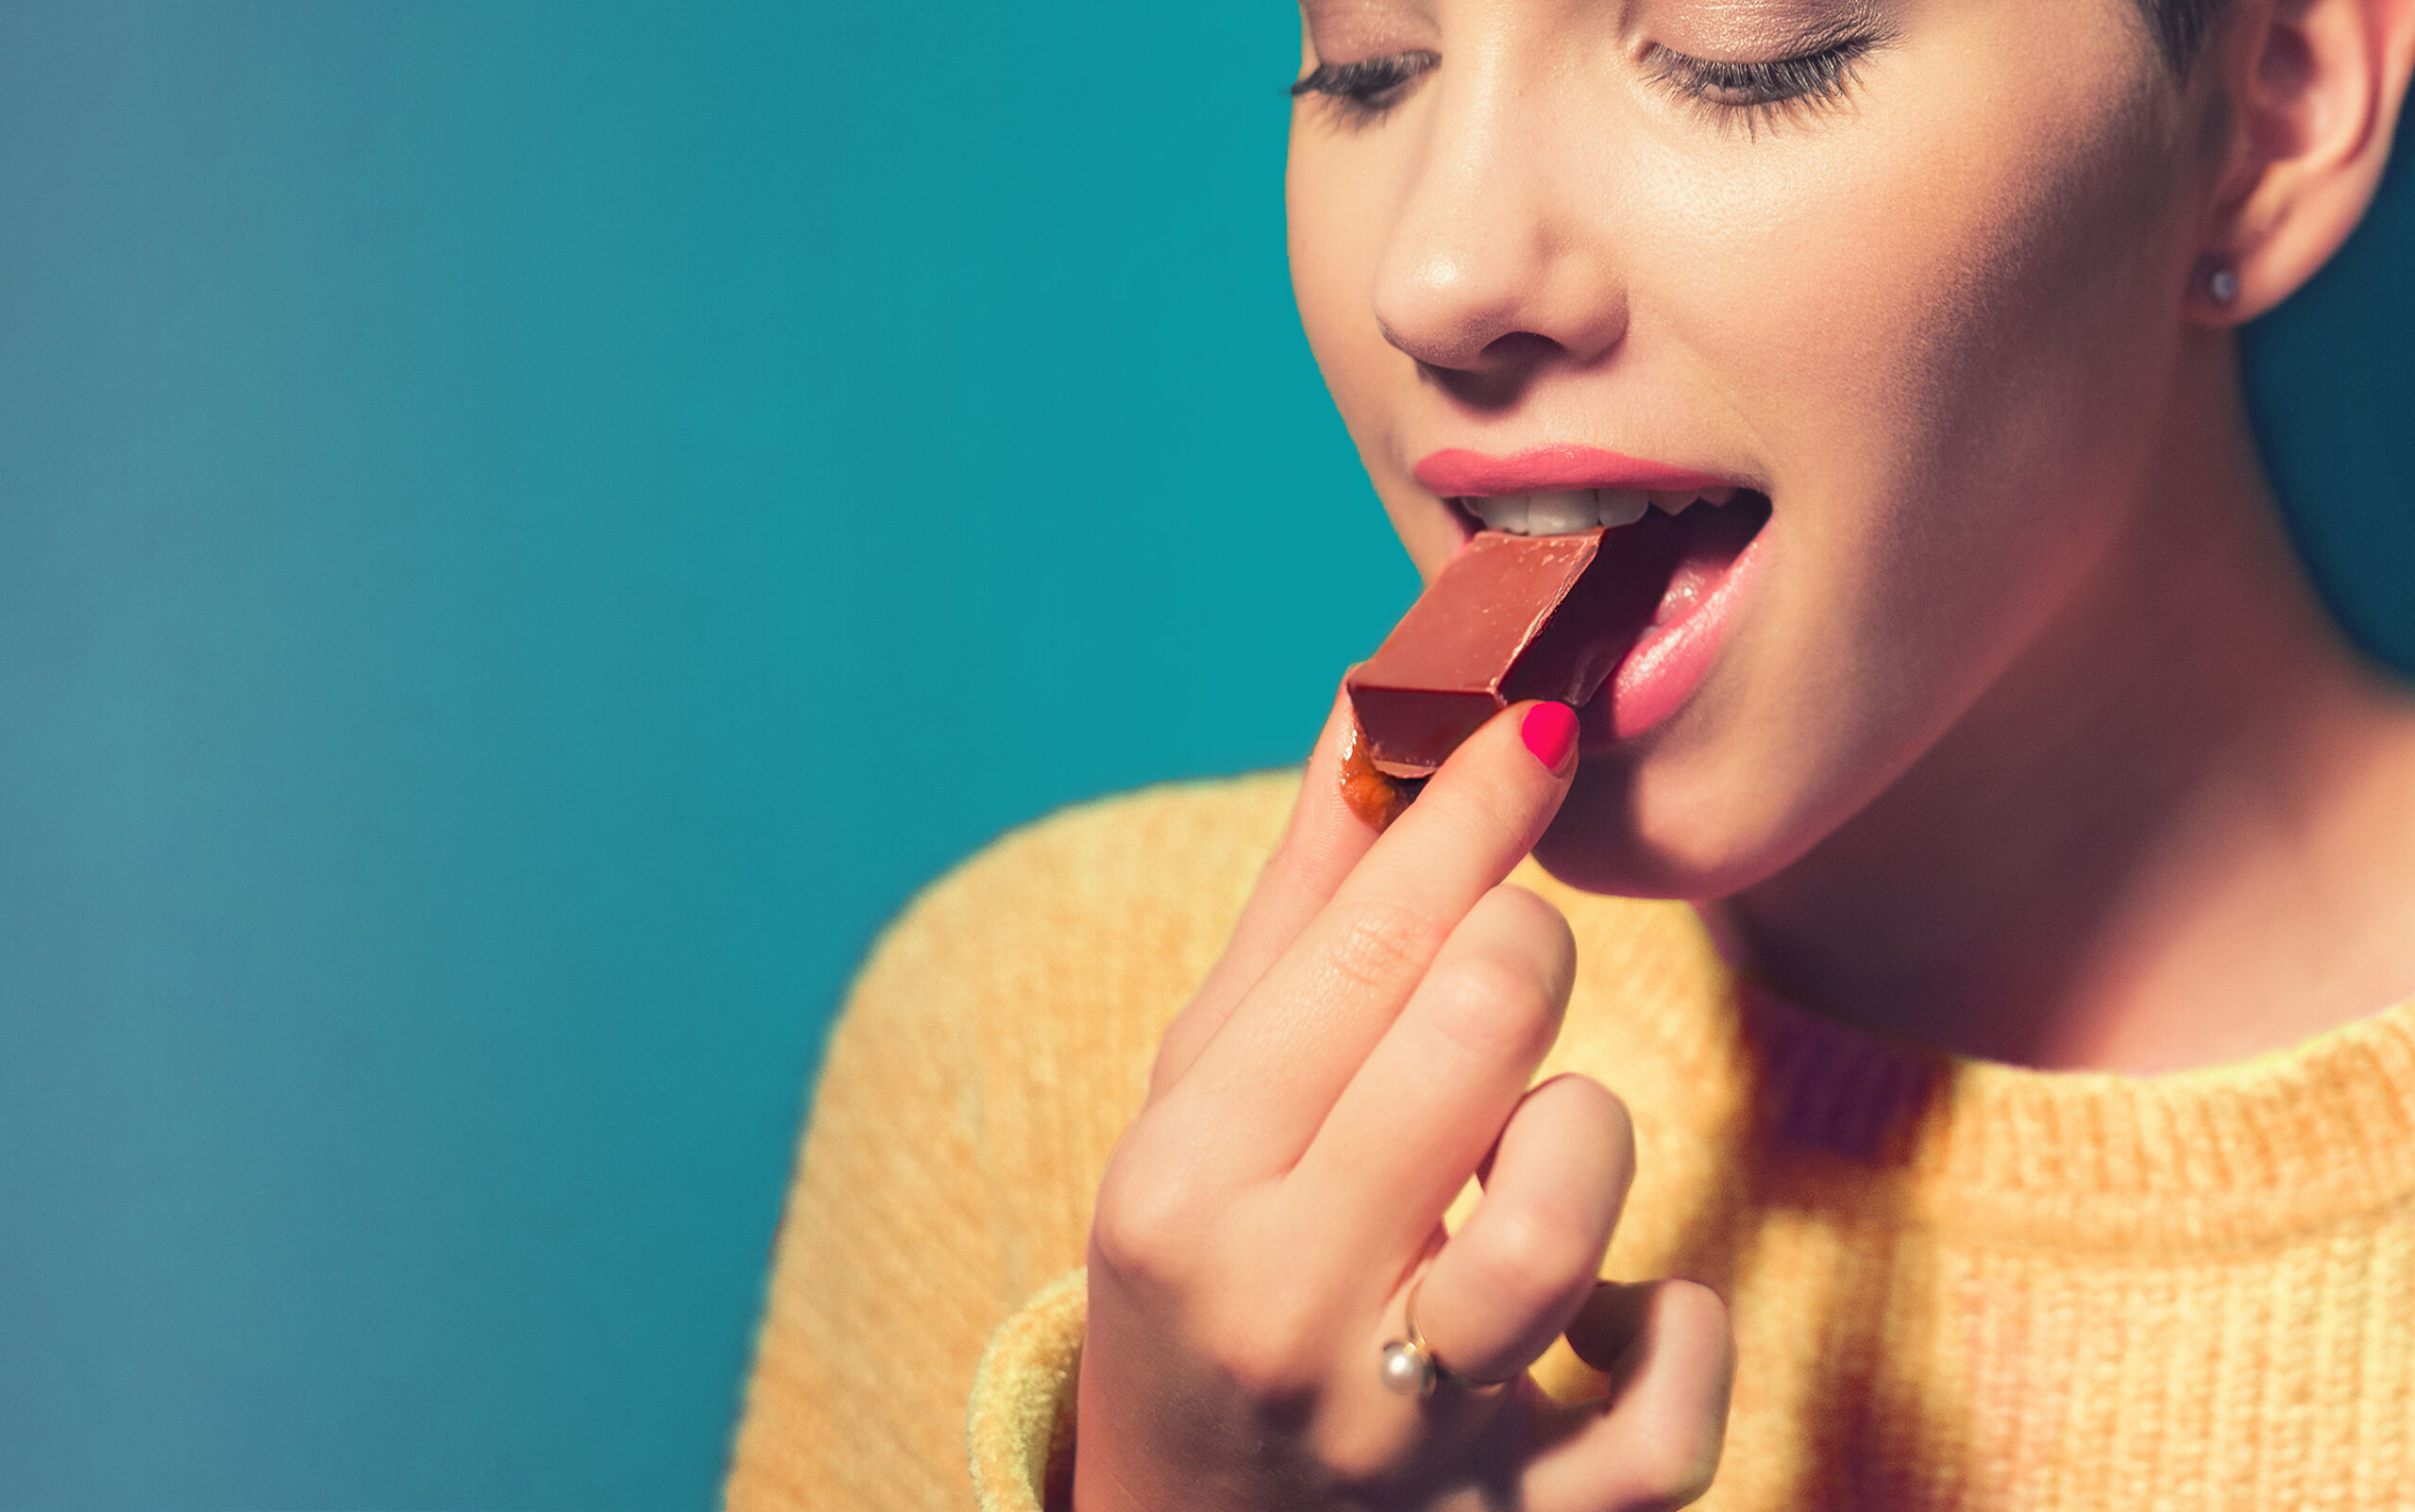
(1955, 1284)
(1019, 1433)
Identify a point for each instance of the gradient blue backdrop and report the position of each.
(525, 532)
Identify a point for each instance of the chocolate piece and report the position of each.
(1511, 617)
(1377, 799)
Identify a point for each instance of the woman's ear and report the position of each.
(2313, 90)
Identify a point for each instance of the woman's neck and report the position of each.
(2180, 832)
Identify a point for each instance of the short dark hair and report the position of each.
(2181, 27)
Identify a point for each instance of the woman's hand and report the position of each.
(1363, 1047)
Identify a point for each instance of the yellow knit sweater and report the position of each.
(1953, 1283)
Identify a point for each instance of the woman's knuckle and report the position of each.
(1694, 1311)
(1601, 1108)
(1670, 1470)
(1545, 929)
(1493, 1004)
(1146, 1221)
(1530, 1258)
(1494, 978)
(1378, 945)
(1271, 1354)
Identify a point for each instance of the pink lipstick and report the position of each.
(1458, 473)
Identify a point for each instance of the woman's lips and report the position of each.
(1678, 582)
(1455, 473)
(1681, 577)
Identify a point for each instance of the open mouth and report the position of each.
(1609, 599)
(1674, 548)
(1672, 558)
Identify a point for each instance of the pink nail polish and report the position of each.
(1549, 730)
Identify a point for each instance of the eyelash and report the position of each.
(1362, 92)
(1753, 93)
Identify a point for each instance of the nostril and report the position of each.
(1519, 348)
(1494, 376)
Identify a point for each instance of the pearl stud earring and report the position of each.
(2222, 284)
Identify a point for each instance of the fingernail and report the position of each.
(1549, 730)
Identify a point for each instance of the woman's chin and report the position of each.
(1606, 841)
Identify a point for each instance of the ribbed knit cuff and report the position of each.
(1019, 1429)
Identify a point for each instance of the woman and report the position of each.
(2016, 1116)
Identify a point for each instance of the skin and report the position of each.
(2027, 739)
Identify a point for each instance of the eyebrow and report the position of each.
(1341, 13)
(1786, 21)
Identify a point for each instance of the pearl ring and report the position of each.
(1409, 1367)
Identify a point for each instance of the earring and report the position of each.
(2222, 283)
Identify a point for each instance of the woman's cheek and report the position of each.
(1929, 366)
(1319, 255)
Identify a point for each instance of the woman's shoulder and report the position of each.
(1175, 849)
(990, 1051)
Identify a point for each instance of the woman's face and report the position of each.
(1909, 271)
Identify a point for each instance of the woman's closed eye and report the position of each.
(1753, 91)
(1360, 92)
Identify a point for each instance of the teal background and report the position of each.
(525, 532)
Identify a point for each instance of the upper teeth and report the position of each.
(1581, 509)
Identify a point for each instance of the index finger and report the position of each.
(1278, 1063)
(1323, 838)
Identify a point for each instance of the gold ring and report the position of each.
(1410, 1366)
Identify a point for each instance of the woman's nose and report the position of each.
(1491, 268)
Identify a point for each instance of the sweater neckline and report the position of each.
(2249, 1151)
(2322, 1131)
